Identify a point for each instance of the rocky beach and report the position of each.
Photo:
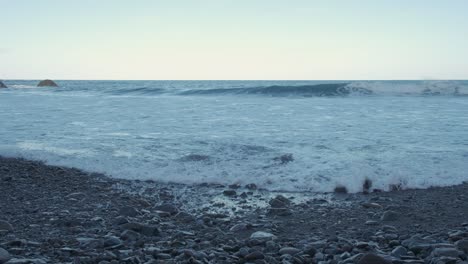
(63, 215)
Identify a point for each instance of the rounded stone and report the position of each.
(4, 256)
(47, 83)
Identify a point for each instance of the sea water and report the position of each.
(279, 135)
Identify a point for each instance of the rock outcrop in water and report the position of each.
(47, 83)
(2, 85)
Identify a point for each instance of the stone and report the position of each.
(371, 258)
(26, 261)
(399, 251)
(2, 85)
(462, 245)
(445, 252)
(239, 227)
(254, 256)
(112, 241)
(371, 205)
(279, 202)
(389, 216)
(128, 211)
(185, 217)
(285, 158)
(5, 226)
(289, 250)
(230, 193)
(251, 186)
(168, 208)
(47, 83)
(4, 256)
(341, 189)
(143, 229)
(260, 235)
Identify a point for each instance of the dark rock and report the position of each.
(254, 256)
(279, 202)
(2, 85)
(4, 225)
(340, 189)
(389, 216)
(371, 258)
(195, 157)
(289, 250)
(285, 158)
(184, 217)
(230, 192)
(445, 252)
(251, 186)
(4, 256)
(143, 229)
(399, 251)
(462, 245)
(112, 241)
(128, 211)
(48, 83)
(168, 208)
(260, 235)
(366, 185)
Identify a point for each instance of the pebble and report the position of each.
(230, 193)
(254, 256)
(4, 225)
(4, 256)
(389, 216)
(169, 208)
(289, 250)
(462, 245)
(128, 211)
(260, 235)
(399, 251)
(371, 258)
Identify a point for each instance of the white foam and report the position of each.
(416, 141)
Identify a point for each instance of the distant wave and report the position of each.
(282, 89)
(331, 89)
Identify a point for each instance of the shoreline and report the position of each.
(53, 214)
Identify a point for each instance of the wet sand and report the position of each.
(53, 214)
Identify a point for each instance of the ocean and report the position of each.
(300, 136)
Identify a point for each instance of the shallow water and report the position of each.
(409, 133)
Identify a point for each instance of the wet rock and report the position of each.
(289, 250)
(230, 193)
(260, 235)
(462, 245)
(128, 211)
(2, 85)
(168, 208)
(371, 258)
(251, 186)
(254, 256)
(4, 256)
(341, 189)
(26, 261)
(399, 251)
(371, 205)
(445, 252)
(195, 158)
(112, 241)
(279, 211)
(285, 158)
(279, 202)
(5, 226)
(390, 216)
(47, 83)
(143, 229)
(239, 227)
(184, 217)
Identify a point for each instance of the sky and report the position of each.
(234, 39)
